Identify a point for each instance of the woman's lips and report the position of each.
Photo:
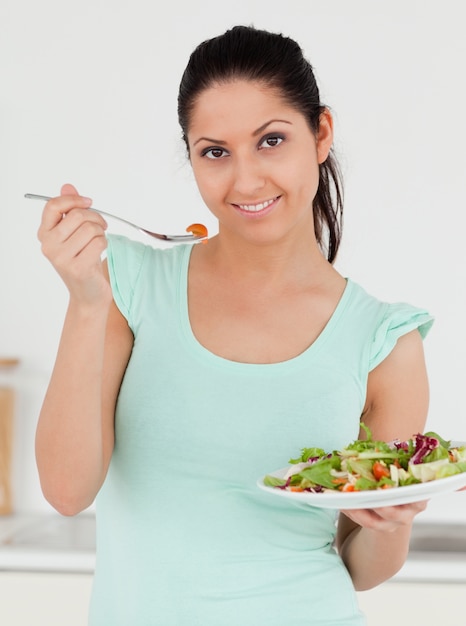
(260, 208)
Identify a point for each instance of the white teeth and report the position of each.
(256, 207)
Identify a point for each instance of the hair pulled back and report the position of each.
(247, 53)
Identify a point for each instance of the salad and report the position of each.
(367, 465)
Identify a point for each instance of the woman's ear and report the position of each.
(324, 135)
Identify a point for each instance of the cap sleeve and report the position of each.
(125, 258)
(398, 320)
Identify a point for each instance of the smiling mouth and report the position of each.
(255, 208)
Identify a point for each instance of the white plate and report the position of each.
(368, 499)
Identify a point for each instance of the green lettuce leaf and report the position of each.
(273, 481)
(319, 472)
(308, 453)
(451, 469)
(436, 455)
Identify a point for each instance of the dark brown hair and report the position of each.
(248, 53)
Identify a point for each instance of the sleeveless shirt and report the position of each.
(184, 535)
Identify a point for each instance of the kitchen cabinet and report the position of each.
(426, 603)
(44, 599)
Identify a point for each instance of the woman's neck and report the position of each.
(299, 260)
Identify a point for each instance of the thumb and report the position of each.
(68, 190)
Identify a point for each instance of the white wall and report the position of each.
(88, 95)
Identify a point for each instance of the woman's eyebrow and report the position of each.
(264, 126)
(210, 140)
(219, 142)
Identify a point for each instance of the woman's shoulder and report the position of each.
(367, 303)
(133, 266)
(387, 321)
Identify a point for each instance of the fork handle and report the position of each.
(36, 196)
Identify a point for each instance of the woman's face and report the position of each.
(256, 161)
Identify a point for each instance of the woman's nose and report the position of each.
(248, 176)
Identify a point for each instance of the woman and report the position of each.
(185, 374)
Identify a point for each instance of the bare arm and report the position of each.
(374, 543)
(75, 433)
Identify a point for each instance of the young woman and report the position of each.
(184, 374)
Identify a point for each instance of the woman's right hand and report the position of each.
(73, 239)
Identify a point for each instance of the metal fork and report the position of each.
(180, 238)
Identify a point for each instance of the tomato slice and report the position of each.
(380, 470)
(197, 229)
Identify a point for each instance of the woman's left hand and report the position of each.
(387, 518)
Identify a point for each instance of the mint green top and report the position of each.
(184, 535)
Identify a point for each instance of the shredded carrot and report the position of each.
(348, 487)
(296, 489)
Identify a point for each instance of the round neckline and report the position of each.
(207, 355)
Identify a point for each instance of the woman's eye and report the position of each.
(214, 153)
(271, 141)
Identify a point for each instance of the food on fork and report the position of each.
(199, 230)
